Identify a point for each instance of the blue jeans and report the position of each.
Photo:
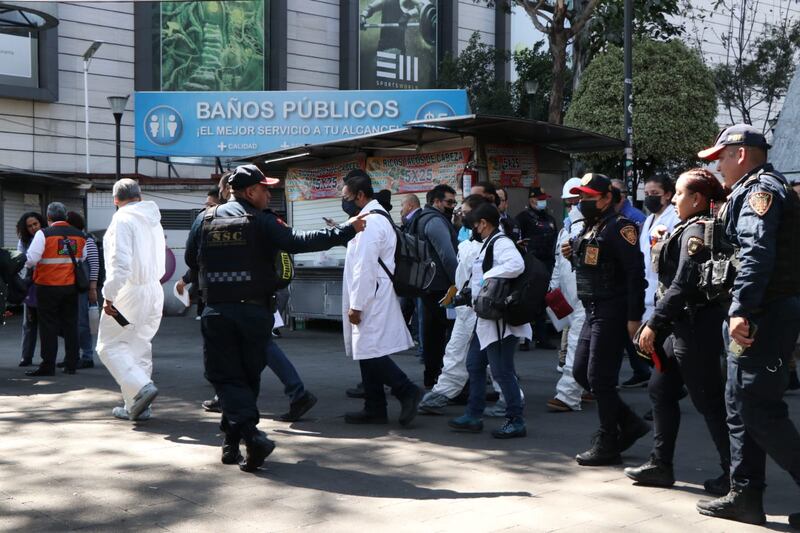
(84, 333)
(285, 372)
(500, 358)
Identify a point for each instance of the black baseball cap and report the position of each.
(244, 176)
(743, 134)
(593, 184)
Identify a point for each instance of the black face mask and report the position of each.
(476, 235)
(652, 203)
(589, 209)
(448, 212)
(350, 207)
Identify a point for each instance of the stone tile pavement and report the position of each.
(65, 464)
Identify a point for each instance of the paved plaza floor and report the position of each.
(66, 464)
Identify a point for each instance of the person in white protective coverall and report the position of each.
(568, 393)
(454, 372)
(373, 323)
(134, 252)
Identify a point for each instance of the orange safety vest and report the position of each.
(55, 268)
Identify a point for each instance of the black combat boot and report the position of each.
(719, 486)
(631, 429)
(258, 448)
(604, 451)
(230, 450)
(653, 473)
(741, 505)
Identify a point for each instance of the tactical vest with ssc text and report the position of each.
(234, 264)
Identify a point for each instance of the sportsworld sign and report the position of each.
(236, 124)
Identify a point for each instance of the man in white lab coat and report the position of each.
(372, 320)
(133, 248)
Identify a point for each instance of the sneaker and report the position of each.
(123, 414)
(212, 405)
(635, 382)
(198, 318)
(433, 403)
(559, 369)
(466, 423)
(512, 429)
(85, 363)
(498, 410)
(298, 408)
(142, 400)
(276, 333)
(557, 406)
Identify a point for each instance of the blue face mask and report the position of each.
(350, 207)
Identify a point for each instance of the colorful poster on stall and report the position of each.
(418, 172)
(313, 183)
(513, 165)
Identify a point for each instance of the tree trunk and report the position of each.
(558, 47)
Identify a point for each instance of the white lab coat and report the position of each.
(508, 263)
(669, 219)
(367, 288)
(134, 252)
(454, 370)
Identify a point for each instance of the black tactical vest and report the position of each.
(595, 270)
(234, 264)
(669, 254)
(784, 280)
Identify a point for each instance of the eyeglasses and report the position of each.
(449, 202)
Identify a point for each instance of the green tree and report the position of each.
(675, 109)
(536, 63)
(473, 70)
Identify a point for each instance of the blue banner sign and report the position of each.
(236, 124)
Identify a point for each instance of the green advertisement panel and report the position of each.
(397, 44)
(213, 45)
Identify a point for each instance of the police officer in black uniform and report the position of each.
(234, 247)
(609, 270)
(761, 220)
(684, 311)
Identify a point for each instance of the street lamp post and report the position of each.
(117, 104)
(87, 58)
(531, 86)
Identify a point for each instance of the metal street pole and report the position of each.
(87, 58)
(629, 172)
(117, 105)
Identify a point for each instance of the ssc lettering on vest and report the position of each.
(226, 238)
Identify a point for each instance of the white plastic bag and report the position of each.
(94, 319)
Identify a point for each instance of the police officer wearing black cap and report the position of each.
(609, 270)
(233, 247)
(692, 322)
(760, 220)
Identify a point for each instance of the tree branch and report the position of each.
(534, 14)
(581, 20)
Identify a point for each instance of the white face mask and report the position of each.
(541, 205)
(575, 213)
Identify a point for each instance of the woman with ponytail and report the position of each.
(685, 334)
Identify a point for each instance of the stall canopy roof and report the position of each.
(415, 134)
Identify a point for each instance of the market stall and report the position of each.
(459, 151)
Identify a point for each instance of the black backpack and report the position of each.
(414, 269)
(526, 292)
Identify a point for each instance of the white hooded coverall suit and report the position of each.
(134, 253)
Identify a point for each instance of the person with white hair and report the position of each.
(134, 252)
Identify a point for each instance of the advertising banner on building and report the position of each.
(240, 124)
(212, 45)
(513, 165)
(313, 183)
(418, 172)
(397, 44)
